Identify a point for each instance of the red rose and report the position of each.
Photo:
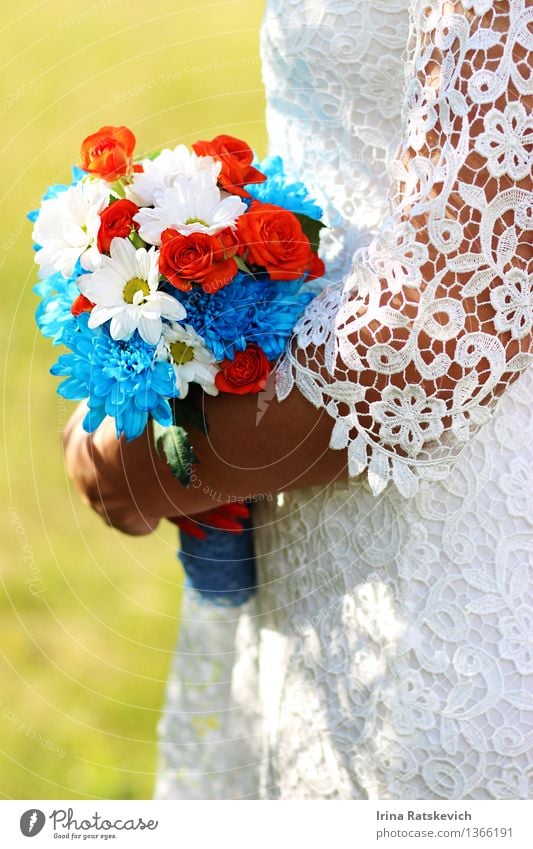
(246, 373)
(220, 275)
(116, 221)
(236, 157)
(108, 153)
(228, 517)
(275, 240)
(318, 269)
(196, 258)
(227, 242)
(81, 304)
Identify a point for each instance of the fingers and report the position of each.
(101, 481)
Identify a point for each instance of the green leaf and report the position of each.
(118, 189)
(136, 240)
(311, 228)
(242, 266)
(174, 442)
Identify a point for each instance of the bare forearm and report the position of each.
(245, 454)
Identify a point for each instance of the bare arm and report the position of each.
(244, 454)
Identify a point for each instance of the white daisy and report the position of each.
(67, 227)
(193, 205)
(192, 361)
(124, 289)
(161, 172)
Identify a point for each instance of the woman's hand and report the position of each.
(95, 464)
(255, 446)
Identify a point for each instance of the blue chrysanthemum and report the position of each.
(276, 314)
(53, 314)
(278, 190)
(246, 310)
(119, 379)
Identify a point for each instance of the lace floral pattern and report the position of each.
(406, 626)
(386, 653)
(435, 317)
(506, 140)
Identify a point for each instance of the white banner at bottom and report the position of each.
(260, 825)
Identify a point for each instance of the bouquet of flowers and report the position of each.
(186, 267)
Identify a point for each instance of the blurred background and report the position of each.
(89, 617)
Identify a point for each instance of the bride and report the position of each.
(386, 652)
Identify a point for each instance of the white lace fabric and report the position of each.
(387, 653)
(435, 318)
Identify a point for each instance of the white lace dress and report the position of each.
(387, 652)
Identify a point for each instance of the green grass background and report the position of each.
(84, 657)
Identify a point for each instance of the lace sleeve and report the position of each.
(434, 320)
